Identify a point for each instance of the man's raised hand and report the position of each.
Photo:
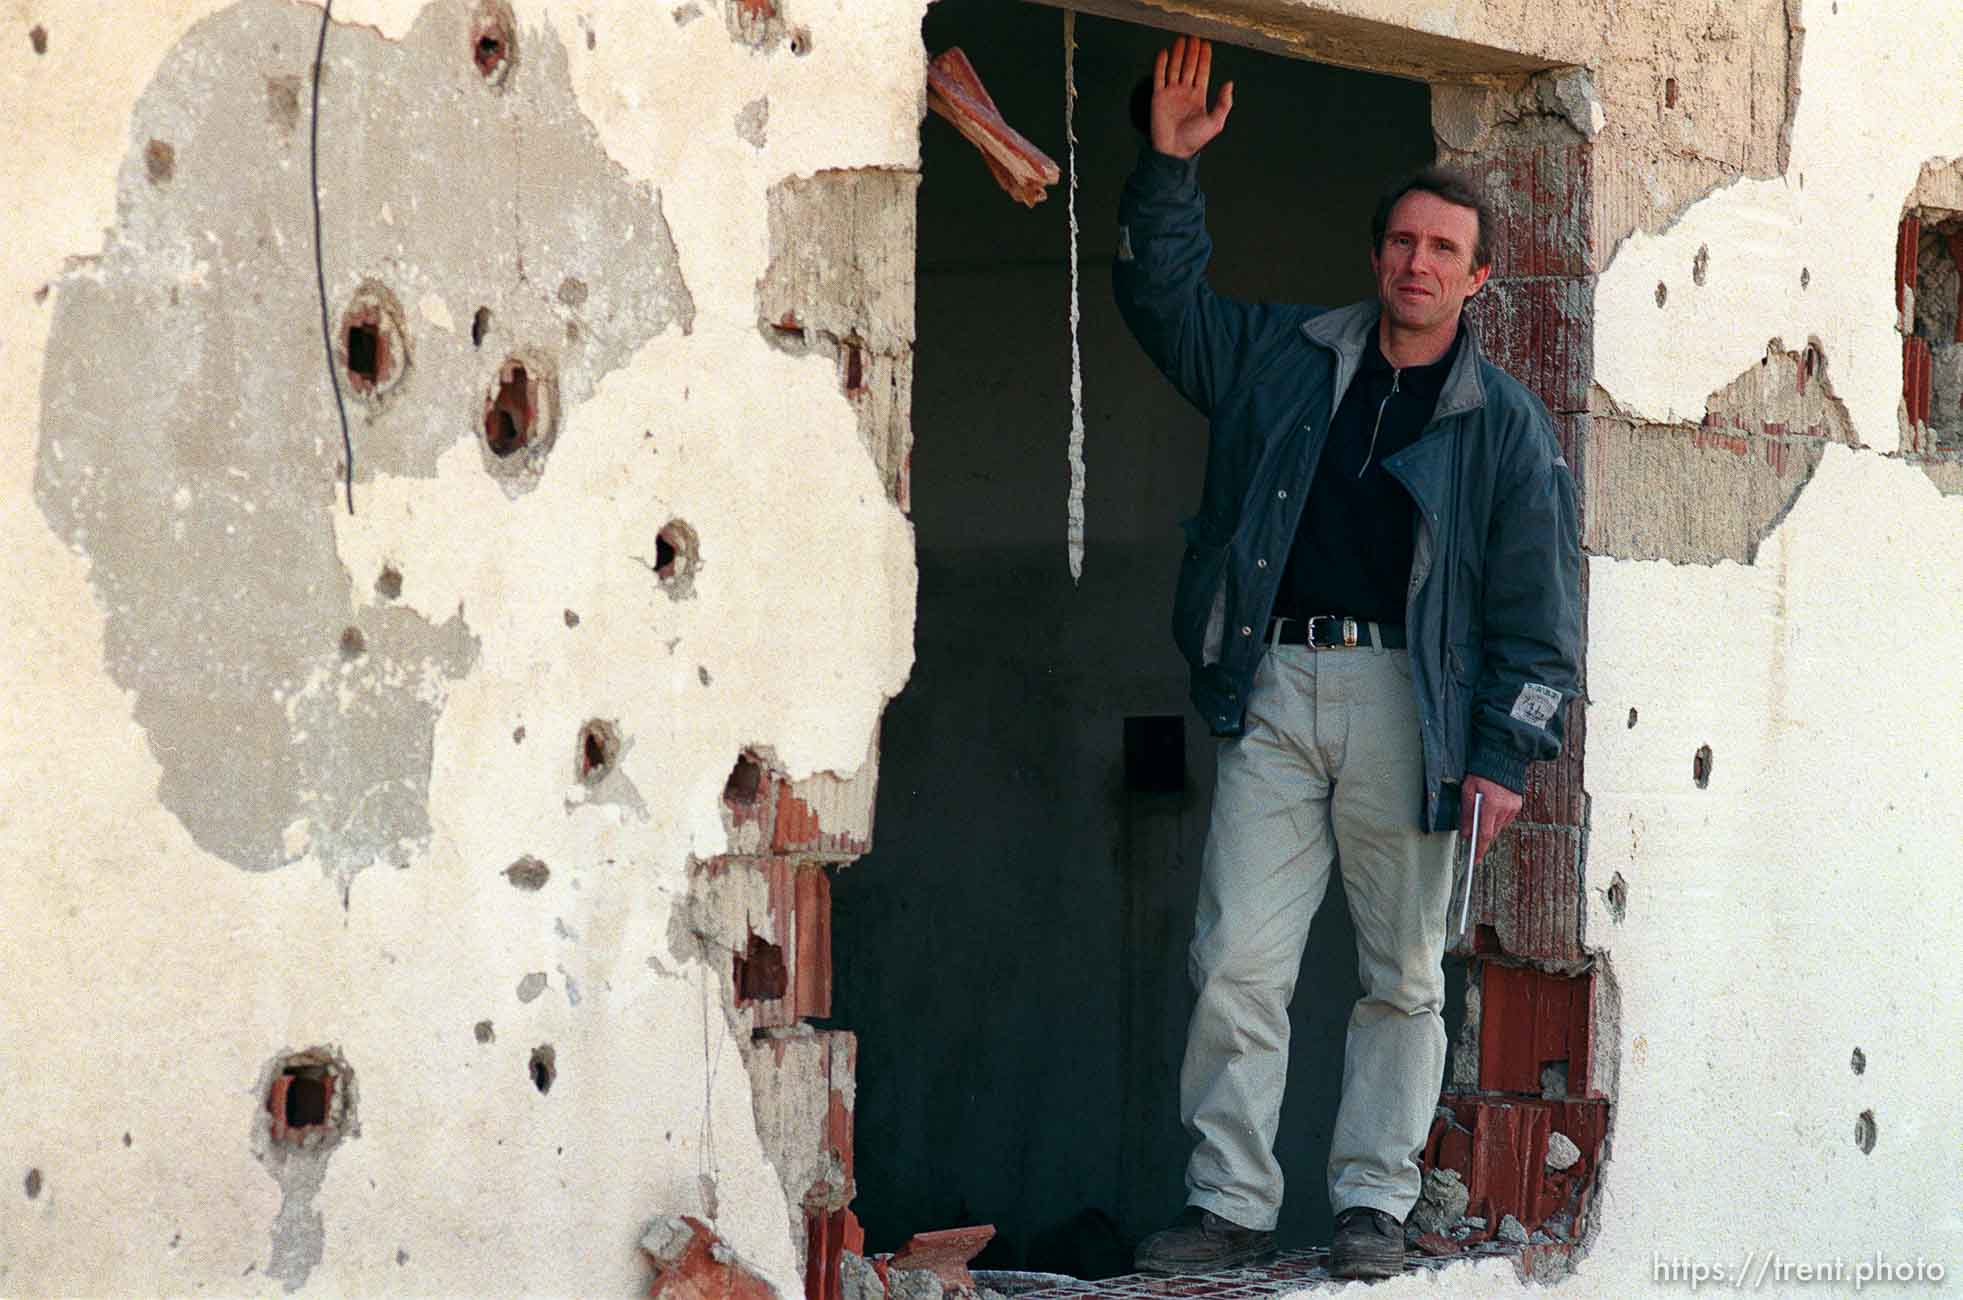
(1181, 124)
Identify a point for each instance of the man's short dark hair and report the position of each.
(1451, 185)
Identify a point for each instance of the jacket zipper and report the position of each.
(1371, 450)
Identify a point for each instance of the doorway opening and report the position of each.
(1012, 949)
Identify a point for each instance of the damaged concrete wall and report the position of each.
(1773, 801)
(358, 911)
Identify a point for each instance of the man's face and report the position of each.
(1424, 266)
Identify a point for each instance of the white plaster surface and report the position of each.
(1877, 100)
(147, 985)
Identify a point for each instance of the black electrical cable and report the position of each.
(320, 264)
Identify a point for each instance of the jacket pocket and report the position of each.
(1199, 605)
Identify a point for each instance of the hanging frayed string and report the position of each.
(1074, 512)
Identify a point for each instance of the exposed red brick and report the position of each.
(1541, 193)
(1433, 1244)
(1526, 892)
(946, 1253)
(691, 1263)
(1554, 788)
(799, 830)
(1504, 1165)
(824, 1242)
(1916, 386)
(1908, 243)
(1541, 331)
(1529, 1019)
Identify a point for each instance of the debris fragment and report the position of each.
(956, 93)
(1512, 1231)
(945, 1254)
(692, 1263)
(1440, 1203)
(1561, 1152)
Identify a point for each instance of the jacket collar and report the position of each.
(1346, 331)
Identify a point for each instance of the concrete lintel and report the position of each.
(1369, 35)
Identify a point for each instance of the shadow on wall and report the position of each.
(1012, 952)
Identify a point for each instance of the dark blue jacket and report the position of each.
(1493, 611)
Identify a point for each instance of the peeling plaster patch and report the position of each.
(753, 121)
(686, 14)
(222, 619)
(1860, 134)
(1714, 490)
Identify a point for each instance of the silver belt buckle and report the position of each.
(1349, 632)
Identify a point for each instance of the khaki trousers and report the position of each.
(1329, 770)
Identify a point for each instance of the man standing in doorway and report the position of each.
(1379, 600)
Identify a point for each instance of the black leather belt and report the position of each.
(1335, 632)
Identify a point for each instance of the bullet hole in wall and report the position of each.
(388, 584)
(544, 1068)
(308, 1099)
(1805, 276)
(353, 644)
(517, 735)
(1669, 92)
(759, 973)
(1632, 717)
(480, 325)
(494, 43)
(372, 345)
(484, 1032)
(528, 874)
(1662, 293)
(37, 36)
(32, 1183)
(745, 784)
(518, 416)
(1860, 1061)
(1700, 266)
(676, 554)
(1618, 897)
(1700, 767)
(800, 41)
(127, 1139)
(702, 674)
(364, 351)
(160, 161)
(572, 619)
(1864, 1132)
(599, 750)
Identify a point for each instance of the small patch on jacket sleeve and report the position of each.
(1537, 705)
(1124, 244)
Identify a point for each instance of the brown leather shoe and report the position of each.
(1200, 1241)
(1367, 1243)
